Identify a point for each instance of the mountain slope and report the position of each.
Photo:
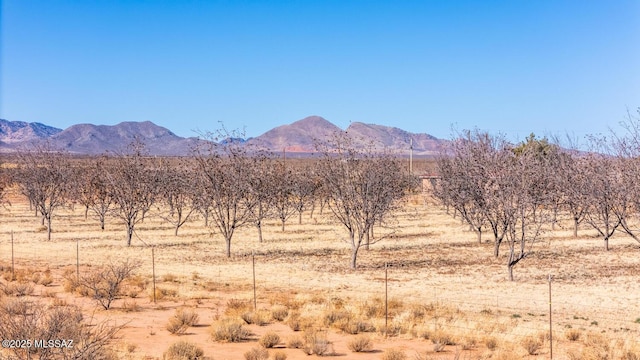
(299, 136)
(13, 132)
(392, 139)
(97, 139)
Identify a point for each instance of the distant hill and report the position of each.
(97, 139)
(298, 138)
(302, 135)
(13, 132)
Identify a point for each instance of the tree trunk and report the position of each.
(299, 217)
(282, 225)
(86, 212)
(606, 243)
(496, 248)
(175, 233)
(227, 240)
(575, 227)
(510, 272)
(102, 222)
(479, 232)
(259, 226)
(354, 257)
(129, 234)
(366, 240)
(49, 227)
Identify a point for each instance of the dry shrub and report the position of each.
(257, 354)
(354, 327)
(295, 342)
(260, 318)
(181, 321)
(531, 344)
(316, 342)
(573, 334)
(468, 342)
(279, 313)
(336, 316)
(163, 293)
(19, 288)
(183, 350)
(24, 319)
(48, 293)
(170, 278)
(131, 306)
(59, 302)
(442, 337)
(279, 355)
(46, 279)
(237, 307)
(228, 330)
(105, 284)
(491, 343)
(394, 354)
(360, 344)
(269, 340)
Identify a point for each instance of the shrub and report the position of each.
(531, 344)
(163, 293)
(295, 342)
(491, 343)
(317, 343)
(230, 331)
(105, 285)
(279, 313)
(573, 334)
(294, 321)
(394, 354)
(269, 340)
(360, 344)
(181, 321)
(236, 306)
(130, 306)
(279, 355)
(259, 318)
(256, 354)
(183, 350)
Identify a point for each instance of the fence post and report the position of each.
(253, 265)
(13, 263)
(386, 300)
(78, 260)
(153, 272)
(550, 322)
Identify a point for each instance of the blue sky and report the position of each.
(517, 67)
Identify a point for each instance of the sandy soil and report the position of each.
(432, 261)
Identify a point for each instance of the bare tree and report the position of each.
(263, 185)
(284, 202)
(226, 172)
(44, 174)
(178, 193)
(304, 190)
(105, 284)
(363, 187)
(133, 184)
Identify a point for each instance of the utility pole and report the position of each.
(411, 156)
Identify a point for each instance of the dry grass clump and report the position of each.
(18, 288)
(260, 317)
(269, 340)
(256, 354)
(228, 330)
(295, 342)
(298, 323)
(394, 354)
(375, 308)
(236, 307)
(316, 342)
(532, 344)
(360, 344)
(573, 334)
(183, 350)
(131, 306)
(279, 313)
(163, 293)
(279, 355)
(181, 321)
(491, 343)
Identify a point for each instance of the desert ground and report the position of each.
(448, 297)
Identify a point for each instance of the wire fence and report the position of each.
(459, 308)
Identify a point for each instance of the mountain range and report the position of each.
(299, 138)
